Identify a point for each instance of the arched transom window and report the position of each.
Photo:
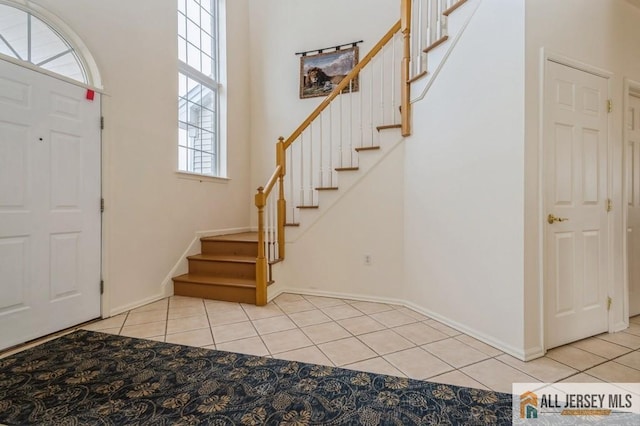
(27, 38)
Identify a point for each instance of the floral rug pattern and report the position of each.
(101, 379)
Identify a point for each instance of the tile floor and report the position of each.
(372, 337)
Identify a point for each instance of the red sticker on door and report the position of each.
(90, 94)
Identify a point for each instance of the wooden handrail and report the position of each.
(343, 84)
(266, 190)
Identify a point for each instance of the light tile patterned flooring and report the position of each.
(372, 337)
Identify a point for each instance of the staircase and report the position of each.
(347, 123)
(225, 270)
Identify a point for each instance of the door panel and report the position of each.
(13, 164)
(633, 197)
(575, 169)
(66, 170)
(565, 248)
(13, 269)
(49, 205)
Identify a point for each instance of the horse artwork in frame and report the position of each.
(322, 72)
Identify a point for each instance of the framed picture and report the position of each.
(322, 72)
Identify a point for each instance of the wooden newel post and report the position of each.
(281, 160)
(261, 261)
(406, 66)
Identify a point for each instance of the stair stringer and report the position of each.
(327, 256)
(436, 58)
(366, 161)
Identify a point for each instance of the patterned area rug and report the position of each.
(94, 378)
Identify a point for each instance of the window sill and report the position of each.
(202, 178)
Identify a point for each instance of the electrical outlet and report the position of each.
(367, 259)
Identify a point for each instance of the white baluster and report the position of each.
(382, 87)
(274, 224)
(396, 83)
(267, 229)
(445, 19)
(351, 123)
(340, 142)
(301, 170)
(424, 40)
(416, 35)
(371, 126)
(310, 187)
(430, 24)
(360, 90)
(393, 80)
(321, 171)
(290, 171)
(269, 221)
(440, 17)
(273, 228)
(331, 145)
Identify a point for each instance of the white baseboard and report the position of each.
(518, 353)
(337, 295)
(135, 304)
(619, 326)
(533, 353)
(504, 347)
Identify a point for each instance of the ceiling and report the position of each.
(636, 3)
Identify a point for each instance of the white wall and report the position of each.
(470, 254)
(328, 257)
(152, 213)
(464, 183)
(279, 29)
(597, 33)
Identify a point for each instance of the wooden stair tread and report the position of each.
(346, 169)
(435, 44)
(367, 148)
(389, 126)
(454, 7)
(223, 258)
(326, 188)
(216, 281)
(416, 78)
(291, 224)
(307, 207)
(248, 237)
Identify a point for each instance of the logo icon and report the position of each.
(528, 405)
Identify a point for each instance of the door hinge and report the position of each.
(609, 303)
(609, 106)
(101, 122)
(609, 205)
(101, 205)
(101, 286)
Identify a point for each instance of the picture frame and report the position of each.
(322, 72)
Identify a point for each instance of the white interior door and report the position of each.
(49, 205)
(575, 170)
(633, 197)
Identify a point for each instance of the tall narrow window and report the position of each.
(198, 135)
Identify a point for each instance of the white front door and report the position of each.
(49, 205)
(575, 185)
(633, 197)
